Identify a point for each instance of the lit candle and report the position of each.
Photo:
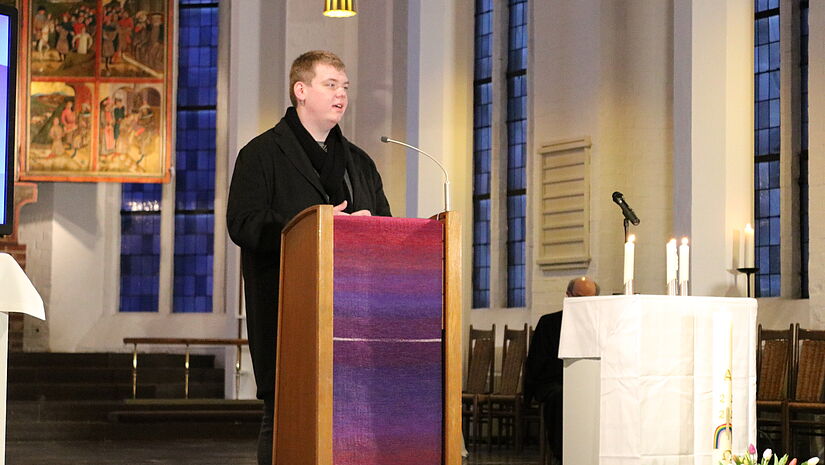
(749, 251)
(629, 251)
(684, 261)
(672, 261)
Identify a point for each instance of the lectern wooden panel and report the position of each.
(368, 368)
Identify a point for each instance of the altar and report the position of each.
(641, 378)
(17, 294)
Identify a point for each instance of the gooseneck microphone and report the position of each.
(387, 140)
(626, 210)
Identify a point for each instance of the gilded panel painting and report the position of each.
(60, 127)
(130, 126)
(99, 85)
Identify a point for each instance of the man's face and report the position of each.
(325, 97)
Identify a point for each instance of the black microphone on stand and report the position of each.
(387, 140)
(626, 210)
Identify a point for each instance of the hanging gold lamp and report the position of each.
(340, 8)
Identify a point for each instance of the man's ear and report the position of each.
(299, 89)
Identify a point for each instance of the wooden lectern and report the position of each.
(369, 341)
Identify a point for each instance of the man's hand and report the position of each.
(339, 210)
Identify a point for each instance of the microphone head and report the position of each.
(617, 195)
(384, 139)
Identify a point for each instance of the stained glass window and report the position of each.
(766, 145)
(139, 247)
(195, 156)
(516, 152)
(482, 151)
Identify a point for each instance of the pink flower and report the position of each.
(751, 449)
(793, 462)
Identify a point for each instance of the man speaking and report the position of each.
(303, 161)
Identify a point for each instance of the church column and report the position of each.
(713, 136)
(439, 104)
(816, 163)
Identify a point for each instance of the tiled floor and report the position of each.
(183, 453)
(131, 453)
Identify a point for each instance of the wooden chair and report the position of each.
(808, 401)
(506, 403)
(774, 362)
(479, 383)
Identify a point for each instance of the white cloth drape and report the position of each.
(656, 382)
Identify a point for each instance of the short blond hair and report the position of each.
(303, 68)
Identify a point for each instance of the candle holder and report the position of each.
(628, 288)
(673, 287)
(749, 271)
(684, 288)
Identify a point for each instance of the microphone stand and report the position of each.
(626, 224)
(387, 140)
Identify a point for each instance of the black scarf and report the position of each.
(330, 164)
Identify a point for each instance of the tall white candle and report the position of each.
(749, 251)
(672, 260)
(629, 252)
(684, 261)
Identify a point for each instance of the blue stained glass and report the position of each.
(516, 250)
(767, 198)
(140, 259)
(481, 252)
(140, 247)
(193, 262)
(198, 45)
(773, 141)
(516, 151)
(773, 28)
(197, 2)
(773, 84)
(195, 157)
(140, 196)
(482, 135)
(773, 174)
(762, 34)
(483, 39)
(767, 143)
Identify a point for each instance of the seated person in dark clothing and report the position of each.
(543, 378)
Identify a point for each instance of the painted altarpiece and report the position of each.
(98, 94)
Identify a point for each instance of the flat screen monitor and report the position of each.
(8, 94)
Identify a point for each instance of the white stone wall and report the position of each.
(604, 71)
(36, 231)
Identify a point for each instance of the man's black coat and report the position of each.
(273, 181)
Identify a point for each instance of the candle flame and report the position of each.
(672, 241)
(631, 238)
(684, 241)
(748, 228)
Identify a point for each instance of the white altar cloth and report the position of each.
(653, 403)
(17, 294)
